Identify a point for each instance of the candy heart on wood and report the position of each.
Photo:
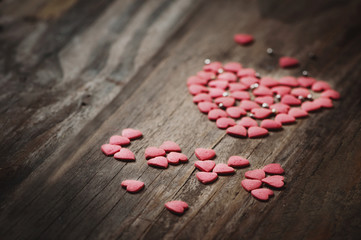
(281, 90)
(303, 92)
(195, 80)
(206, 177)
(132, 186)
(248, 105)
(306, 81)
(261, 113)
(218, 84)
(205, 166)
(226, 101)
(228, 76)
(225, 122)
(262, 91)
(196, 89)
(311, 106)
(273, 168)
(280, 107)
(176, 207)
(330, 93)
(288, 62)
(254, 132)
(212, 67)
(243, 39)
(205, 107)
(274, 181)
(223, 169)
(237, 131)
(247, 122)
(109, 149)
(204, 153)
(234, 87)
(266, 99)
(170, 146)
(206, 75)
(285, 118)
(232, 67)
(235, 112)
(269, 82)
(216, 92)
(255, 174)
(214, 114)
(262, 194)
(270, 124)
(238, 162)
(244, 72)
(320, 86)
(176, 157)
(288, 81)
(160, 162)
(202, 97)
(119, 140)
(125, 155)
(131, 133)
(297, 113)
(251, 184)
(290, 100)
(249, 80)
(324, 102)
(240, 95)
(151, 152)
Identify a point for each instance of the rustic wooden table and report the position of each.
(74, 72)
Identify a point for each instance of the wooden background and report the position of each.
(74, 72)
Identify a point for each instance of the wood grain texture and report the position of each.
(73, 73)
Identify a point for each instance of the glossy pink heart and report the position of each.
(237, 131)
(287, 62)
(176, 158)
(131, 133)
(225, 122)
(205, 166)
(125, 155)
(238, 162)
(109, 149)
(270, 124)
(159, 162)
(254, 132)
(170, 146)
(251, 184)
(255, 174)
(206, 177)
(119, 140)
(214, 114)
(223, 169)
(176, 207)
(274, 181)
(204, 153)
(273, 168)
(262, 194)
(151, 152)
(132, 186)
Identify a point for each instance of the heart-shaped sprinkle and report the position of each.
(303, 92)
(131, 133)
(262, 91)
(119, 140)
(247, 122)
(202, 97)
(330, 93)
(297, 113)
(281, 90)
(261, 113)
(266, 99)
(251, 184)
(132, 186)
(285, 118)
(228, 76)
(280, 107)
(232, 67)
(271, 124)
(176, 207)
(244, 72)
(195, 80)
(243, 39)
(109, 149)
(310, 106)
(274, 181)
(225, 122)
(196, 89)
(254, 132)
(288, 81)
(287, 62)
(206, 177)
(324, 102)
(212, 67)
(151, 152)
(290, 100)
(216, 92)
(241, 95)
(248, 81)
(124, 154)
(160, 162)
(170, 146)
(214, 114)
(233, 87)
(205, 166)
(176, 157)
(235, 112)
(273, 168)
(218, 84)
(255, 174)
(205, 107)
(306, 81)
(238, 162)
(204, 153)
(237, 131)
(320, 86)
(262, 194)
(268, 82)
(223, 169)
(226, 101)
(206, 75)
(248, 105)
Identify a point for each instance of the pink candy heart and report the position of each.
(240, 95)
(197, 89)
(131, 133)
(132, 186)
(205, 166)
(218, 84)
(170, 146)
(330, 93)
(214, 114)
(281, 90)
(239, 87)
(195, 80)
(235, 112)
(232, 67)
(244, 72)
(269, 82)
(266, 99)
(228, 76)
(124, 154)
(303, 92)
(226, 101)
(205, 107)
(216, 92)
(176, 207)
(262, 194)
(254, 132)
(280, 107)
(306, 81)
(271, 124)
(247, 122)
(206, 177)
(212, 67)
(223, 169)
(176, 157)
(243, 39)
(324, 102)
(310, 106)
(109, 149)
(248, 105)
(287, 62)
(285, 118)
(255, 174)
(274, 181)
(225, 122)
(288, 81)
(202, 97)
(119, 140)
(262, 91)
(249, 80)
(205, 154)
(237, 131)
(261, 113)
(290, 100)
(273, 168)
(151, 152)
(238, 162)
(251, 184)
(297, 113)
(320, 86)
(160, 162)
